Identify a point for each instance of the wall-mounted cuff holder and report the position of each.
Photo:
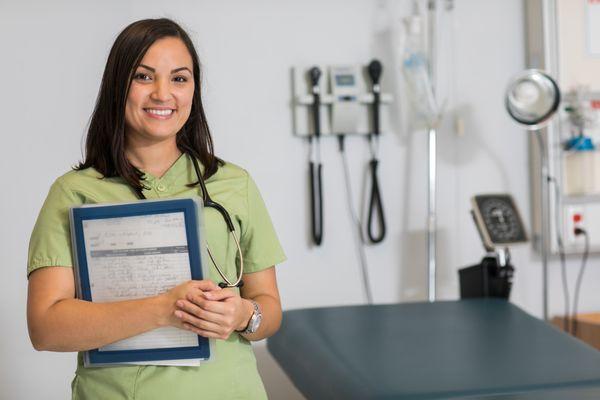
(346, 101)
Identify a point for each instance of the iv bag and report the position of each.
(415, 69)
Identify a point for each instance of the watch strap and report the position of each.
(251, 327)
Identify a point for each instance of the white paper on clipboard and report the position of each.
(135, 257)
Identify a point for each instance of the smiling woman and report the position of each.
(148, 138)
(152, 70)
(160, 98)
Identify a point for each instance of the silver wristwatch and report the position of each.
(255, 320)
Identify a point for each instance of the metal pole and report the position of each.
(550, 64)
(544, 193)
(432, 155)
(431, 217)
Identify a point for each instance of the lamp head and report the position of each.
(532, 98)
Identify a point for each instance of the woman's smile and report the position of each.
(160, 113)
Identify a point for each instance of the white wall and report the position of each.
(53, 54)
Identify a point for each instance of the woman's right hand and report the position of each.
(182, 291)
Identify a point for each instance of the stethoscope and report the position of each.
(208, 202)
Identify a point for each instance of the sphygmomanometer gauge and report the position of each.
(498, 220)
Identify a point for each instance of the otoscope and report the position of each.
(315, 166)
(375, 70)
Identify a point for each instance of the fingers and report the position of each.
(204, 327)
(219, 307)
(205, 285)
(195, 288)
(220, 295)
(209, 318)
(198, 312)
(198, 323)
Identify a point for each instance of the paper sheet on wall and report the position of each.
(136, 257)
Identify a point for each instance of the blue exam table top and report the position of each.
(476, 349)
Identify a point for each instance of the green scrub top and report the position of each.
(232, 374)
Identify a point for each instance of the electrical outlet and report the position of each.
(574, 219)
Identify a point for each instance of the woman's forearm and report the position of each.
(76, 325)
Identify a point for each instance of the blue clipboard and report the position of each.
(190, 209)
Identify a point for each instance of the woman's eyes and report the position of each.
(140, 76)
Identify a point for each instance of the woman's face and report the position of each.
(160, 96)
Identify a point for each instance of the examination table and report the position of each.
(471, 349)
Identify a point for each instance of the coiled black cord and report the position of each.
(586, 252)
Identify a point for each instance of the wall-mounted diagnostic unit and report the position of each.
(336, 101)
(345, 99)
(346, 109)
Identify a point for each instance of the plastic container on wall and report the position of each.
(582, 173)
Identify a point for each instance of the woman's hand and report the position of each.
(182, 291)
(214, 314)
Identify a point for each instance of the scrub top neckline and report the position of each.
(179, 171)
(170, 171)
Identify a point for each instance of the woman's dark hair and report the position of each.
(105, 141)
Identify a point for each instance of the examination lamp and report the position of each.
(532, 98)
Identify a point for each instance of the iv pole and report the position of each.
(432, 151)
(432, 167)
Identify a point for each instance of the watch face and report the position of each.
(500, 219)
(254, 323)
(257, 321)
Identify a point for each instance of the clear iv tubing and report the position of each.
(358, 236)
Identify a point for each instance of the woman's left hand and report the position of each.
(214, 314)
